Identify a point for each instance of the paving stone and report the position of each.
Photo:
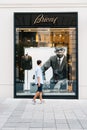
(54, 114)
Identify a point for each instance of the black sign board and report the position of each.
(46, 19)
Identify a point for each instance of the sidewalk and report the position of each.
(54, 114)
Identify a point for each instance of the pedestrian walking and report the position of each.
(38, 81)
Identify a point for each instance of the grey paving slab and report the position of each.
(36, 125)
(22, 128)
(36, 129)
(49, 129)
(49, 125)
(8, 128)
(75, 126)
(77, 129)
(21, 114)
(50, 120)
(61, 121)
(62, 126)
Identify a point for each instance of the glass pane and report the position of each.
(48, 45)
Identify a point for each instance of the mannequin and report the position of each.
(26, 62)
(26, 65)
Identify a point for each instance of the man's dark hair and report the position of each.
(39, 62)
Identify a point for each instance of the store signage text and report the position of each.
(42, 19)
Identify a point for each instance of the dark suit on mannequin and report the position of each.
(26, 62)
(60, 70)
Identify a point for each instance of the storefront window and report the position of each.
(55, 45)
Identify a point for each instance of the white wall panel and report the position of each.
(39, 1)
(7, 47)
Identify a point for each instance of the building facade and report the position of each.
(7, 33)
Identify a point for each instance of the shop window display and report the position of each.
(54, 43)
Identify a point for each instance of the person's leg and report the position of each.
(36, 95)
(41, 96)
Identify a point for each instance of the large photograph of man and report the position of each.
(60, 68)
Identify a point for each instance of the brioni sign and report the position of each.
(43, 19)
